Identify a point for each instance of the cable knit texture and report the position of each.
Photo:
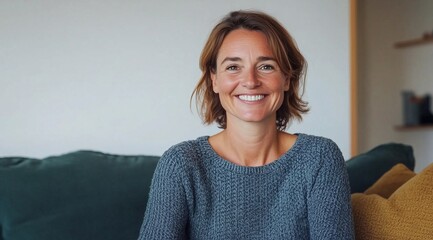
(195, 194)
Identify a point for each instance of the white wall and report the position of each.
(386, 71)
(116, 76)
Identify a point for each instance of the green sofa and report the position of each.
(92, 195)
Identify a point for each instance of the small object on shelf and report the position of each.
(426, 117)
(411, 109)
(416, 109)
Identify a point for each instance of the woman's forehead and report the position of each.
(241, 43)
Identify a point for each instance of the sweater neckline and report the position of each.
(219, 162)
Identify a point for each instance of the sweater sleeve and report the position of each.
(329, 207)
(166, 213)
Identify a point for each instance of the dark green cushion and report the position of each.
(80, 195)
(365, 169)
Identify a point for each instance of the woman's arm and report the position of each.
(166, 213)
(329, 207)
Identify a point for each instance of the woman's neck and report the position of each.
(251, 145)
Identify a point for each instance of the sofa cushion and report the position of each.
(80, 195)
(365, 169)
(391, 181)
(406, 214)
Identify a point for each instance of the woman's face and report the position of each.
(248, 79)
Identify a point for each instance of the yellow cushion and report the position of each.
(406, 214)
(391, 181)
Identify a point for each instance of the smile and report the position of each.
(251, 98)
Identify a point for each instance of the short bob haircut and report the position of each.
(288, 57)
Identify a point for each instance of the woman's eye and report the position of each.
(232, 68)
(266, 67)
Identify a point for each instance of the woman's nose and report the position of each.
(250, 79)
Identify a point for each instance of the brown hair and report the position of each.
(288, 57)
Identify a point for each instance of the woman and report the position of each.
(252, 180)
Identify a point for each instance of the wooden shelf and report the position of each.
(414, 127)
(414, 42)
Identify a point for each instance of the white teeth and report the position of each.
(251, 98)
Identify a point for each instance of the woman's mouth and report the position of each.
(251, 98)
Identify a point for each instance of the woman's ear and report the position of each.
(214, 82)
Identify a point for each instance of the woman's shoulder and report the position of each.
(321, 153)
(318, 151)
(313, 143)
(184, 154)
(187, 148)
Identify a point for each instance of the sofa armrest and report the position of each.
(80, 195)
(365, 169)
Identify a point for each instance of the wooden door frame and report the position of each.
(353, 79)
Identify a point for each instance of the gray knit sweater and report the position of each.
(195, 194)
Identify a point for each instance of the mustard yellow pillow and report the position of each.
(406, 214)
(391, 181)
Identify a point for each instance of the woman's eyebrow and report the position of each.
(264, 58)
(238, 59)
(232, 59)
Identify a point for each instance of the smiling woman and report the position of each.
(252, 180)
(284, 54)
(248, 79)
